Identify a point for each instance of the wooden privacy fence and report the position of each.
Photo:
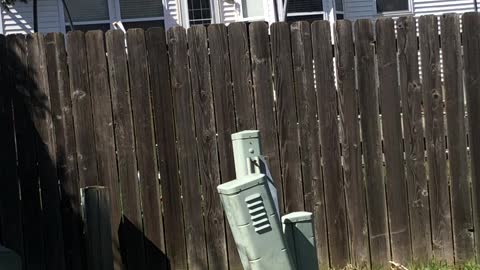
(379, 155)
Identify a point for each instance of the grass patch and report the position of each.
(426, 266)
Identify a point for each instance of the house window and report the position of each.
(141, 13)
(88, 14)
(340, 13)
(100, 14)
(199, 12)
(252, 10)
(304, 10)
(385, 6)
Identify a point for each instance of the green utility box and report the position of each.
(9, 260)
(299, 234)
(252, 216)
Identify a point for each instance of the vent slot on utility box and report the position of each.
(258, 213)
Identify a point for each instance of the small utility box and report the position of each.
(255, 226)
(300, 237)
(9, 260)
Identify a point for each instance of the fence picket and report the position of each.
(82, 109)
(66, 159)
(166, 150)
(187, 155)
(154, 242)
(264, 102)
(224, 115)
(350, 140)
(207, 146)
(389, 99)
(286, 117)
(372, 152)
(103, 125)
(241, 76)
(457, 139)
(330, 141)
(411, 93)
(435, 139)
(471, 24)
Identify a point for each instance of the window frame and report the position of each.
(397, 12)
(114, 14)
(242, 18)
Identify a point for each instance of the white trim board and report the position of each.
(1, 20)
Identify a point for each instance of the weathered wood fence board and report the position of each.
(149, 115)
(457, 139)
(350, 141)
(411, 93)
(371, 143)
(389, 99)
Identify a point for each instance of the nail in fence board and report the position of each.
(286, 116)
(241, 76)
(368, 103)
(166, 150)
(11, 207)
(389, 98)
(103, 126)
(187, 154)
(207, 146)
(264, 102)
(411, 93)
(82, 109)
(66, 158)
(350, 141)
(457, 138)
(145, 147)
(224, 115)
(98, 233)
(435, 139)
(45, 149)
(131, 228)
(471, 24)
(329, 139)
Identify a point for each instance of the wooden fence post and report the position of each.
(96, 214)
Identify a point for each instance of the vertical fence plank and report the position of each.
(389, 97)
(145, 146)
(98, 233)
(329, 139)
(241, 76)
(350, 140)
(165, 138)
(314, 196)
(207, 146)
(411, 93)
(131, 230)
(457, 139)
(435, 139)
(66, 159)
(286, 116)
(187, 156)
(264, 102)
(45, 148)
(103, 125)
(11, 208)
(368, 103)
(471, 24)
(224, 116)
(82, 109)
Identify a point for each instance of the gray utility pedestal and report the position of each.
(9, 260)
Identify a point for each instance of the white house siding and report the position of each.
(229, 12)
(171, 13)
(423, 7)
(355, 9)
(19, 19)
